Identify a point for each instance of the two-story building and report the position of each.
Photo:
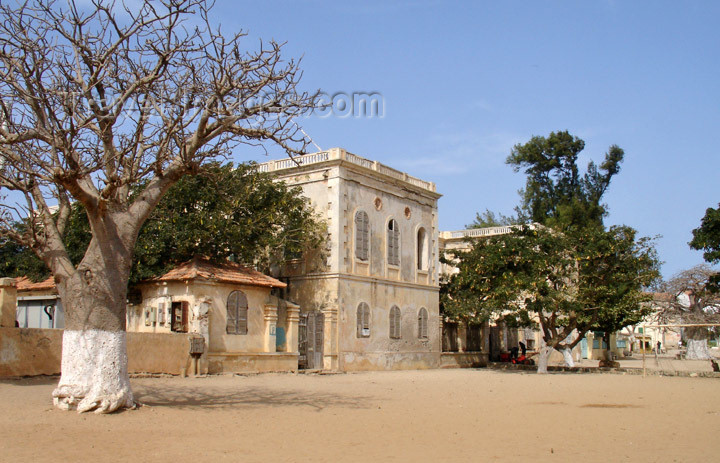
(370, 299)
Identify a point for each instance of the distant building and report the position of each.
(38, 304)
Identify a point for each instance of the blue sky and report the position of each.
(463, 82)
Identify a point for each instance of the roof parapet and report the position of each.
(480, 232)
(342, 155)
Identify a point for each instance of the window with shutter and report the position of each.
(362, 235)
(185, 308)
(395, 322)
(422, 323)
(363, 320)
(393, 243)
(237, 312)
(422, 250)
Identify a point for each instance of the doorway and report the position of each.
(310, 340)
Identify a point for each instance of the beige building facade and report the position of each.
(370, 299)
(243, 327)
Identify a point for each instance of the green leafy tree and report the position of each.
(615, 268)
(566, 284)
(567, 273)
(556, 194)
(223, 212)
(18, 260)
(526, 278)
(706, 238)
(492, 219)
(227, 212)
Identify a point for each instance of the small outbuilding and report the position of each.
(244, 327)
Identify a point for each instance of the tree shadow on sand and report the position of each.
(197, 396)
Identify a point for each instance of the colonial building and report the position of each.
(370, 299)
(243, 327)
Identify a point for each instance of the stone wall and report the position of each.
(32, 351)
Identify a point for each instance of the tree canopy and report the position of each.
(223, 212)
(556, 194)
(565, 272)
(562, 283)
(492, 219)
(706, 238)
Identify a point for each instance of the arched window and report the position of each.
(422, 249)
(393, 243)
(395, 322)
(422, 323)
(363, 320)
(362, 235)
(237, 310)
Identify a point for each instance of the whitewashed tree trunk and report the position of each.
(543, 356)
(697, 349)
(567, 356)
(94, 372)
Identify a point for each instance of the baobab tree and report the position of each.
(96, 99)
(692, 301)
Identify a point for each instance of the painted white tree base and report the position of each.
(543, 357)
(697, 349)
(567, 356)
(94, 372)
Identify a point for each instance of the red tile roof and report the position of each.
(25, 284)
(225, 272)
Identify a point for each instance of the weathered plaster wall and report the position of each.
(8, 295)
(31, 351)
(379, 351)
(252, 362)
(227, 352)
(158, 353)
(338, 190)
(463, 359)
(254, 340)
(214, 294)
(383, 201)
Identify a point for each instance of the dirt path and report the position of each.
(439, 415)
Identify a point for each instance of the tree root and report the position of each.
(99, 403)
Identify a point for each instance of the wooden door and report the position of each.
(310, 340)
(302, 341)
(495, 343)
(179, 311)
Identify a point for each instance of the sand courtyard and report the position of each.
(468, 415)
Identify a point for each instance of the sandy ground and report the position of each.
(438, 415)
